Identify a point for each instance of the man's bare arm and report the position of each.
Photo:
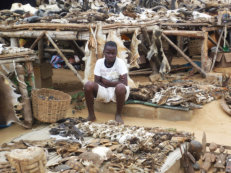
(122, 79)
(98, 80)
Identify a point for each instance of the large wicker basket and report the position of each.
(50, 105)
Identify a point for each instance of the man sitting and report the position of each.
(110, 82)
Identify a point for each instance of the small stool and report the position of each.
(32, 159)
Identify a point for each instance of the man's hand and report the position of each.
(123, 79)
(107, 83)
(98, 80)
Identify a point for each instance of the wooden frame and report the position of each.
(81, 32)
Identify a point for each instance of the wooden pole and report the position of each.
(30, 71)
(224, 39)
(37, 40)
(13, 42)
(205, 65)
(71, 26)
(27, 112)
(41, 50)
(8, 61)
(185, 56)
(78, 47)
(64, 58)
(184, 33)
(59, 35)
(140, 73)
(146, 36)
(180, 43)
(215, 56)
(211, 39)
(63, 50)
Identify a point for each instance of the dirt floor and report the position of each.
(211, 119)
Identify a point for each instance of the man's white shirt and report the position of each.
(113, 73)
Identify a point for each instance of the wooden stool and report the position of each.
(32, 159)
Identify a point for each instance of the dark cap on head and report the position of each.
(111, 44)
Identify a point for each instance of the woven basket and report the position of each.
(30, 160)
(50, 110)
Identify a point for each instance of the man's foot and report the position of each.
(91, 118)
(119, 119)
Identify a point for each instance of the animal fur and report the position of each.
(7, 102)
(156, 51)
(90, 57)
(134, 50)
(101, 39)
(122, 50)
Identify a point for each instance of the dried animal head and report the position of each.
(90, 158)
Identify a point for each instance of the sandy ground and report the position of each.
(211, 119)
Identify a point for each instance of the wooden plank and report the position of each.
(83, 34)
(184, 33)
(185, 24)
(63, 50)
(19, 54)
(47, 26)
(214, 28)
(81, 26)
(140, 73)
(59, 35)
(16, 60)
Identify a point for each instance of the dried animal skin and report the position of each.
(96, 4)
(90, 57)
(121, 49)
(90, 158)
(156, 50)
(134, 50)
(132, 138)
(74, 163)
(9, 99)
(180, 95)
(104, 152)
(138, 147)
(66, 148)
(101, 39)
